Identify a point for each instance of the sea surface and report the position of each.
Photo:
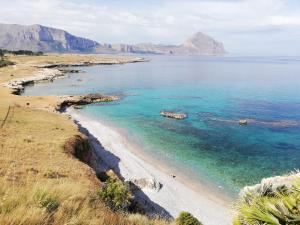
(215, 92)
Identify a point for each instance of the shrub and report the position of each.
(185, 218)
(116, 195)
(280, 207)
(5, 63)
(47, 202)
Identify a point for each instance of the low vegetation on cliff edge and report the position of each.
(270, 204)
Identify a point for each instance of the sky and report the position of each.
(246, 27)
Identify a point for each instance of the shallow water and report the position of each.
(215, 92)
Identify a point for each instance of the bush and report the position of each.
(281, 206)
(47, 202)
(116, 195)
(185, 218)
(5, 63)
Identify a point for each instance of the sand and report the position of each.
(167, 194)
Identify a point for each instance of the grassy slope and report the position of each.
(36, 175)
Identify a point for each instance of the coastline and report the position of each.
(172, 194)
(161, 191)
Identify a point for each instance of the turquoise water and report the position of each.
(215, 92)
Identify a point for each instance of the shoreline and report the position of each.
(172, 194)
(50, 71)
(160, 191)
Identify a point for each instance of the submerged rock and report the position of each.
(173, 115)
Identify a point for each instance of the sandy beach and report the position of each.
(168, 194)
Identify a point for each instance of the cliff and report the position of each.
(41, 38)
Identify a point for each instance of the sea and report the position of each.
(215, 92)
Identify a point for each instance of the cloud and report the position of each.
(162, 21)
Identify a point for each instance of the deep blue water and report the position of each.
(215, 92)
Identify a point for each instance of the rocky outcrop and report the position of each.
(78, 100)
(173, 115)
(17, 85)
(146, 183)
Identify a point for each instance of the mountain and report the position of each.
(41, 38)
(47, 39)
(199, 44)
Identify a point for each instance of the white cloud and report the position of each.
(166, 21)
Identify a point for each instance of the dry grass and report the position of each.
(39, 182)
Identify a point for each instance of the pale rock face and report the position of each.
(46, 39)
(41, 38)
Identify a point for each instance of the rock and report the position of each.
(173, 115)
(17, 85)
(243, 122)
(67, 101)
(78, 107)
(147, 183)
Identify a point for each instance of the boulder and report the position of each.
(146, 183)
(243, 122)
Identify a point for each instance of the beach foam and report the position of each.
(173, 195)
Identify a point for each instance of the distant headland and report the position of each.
(46, 39)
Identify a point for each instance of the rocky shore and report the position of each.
(93, 63)
(44, 75)
(51, 71)
(78, 100)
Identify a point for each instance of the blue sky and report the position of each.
(248, 27)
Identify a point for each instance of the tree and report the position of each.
(1, 54)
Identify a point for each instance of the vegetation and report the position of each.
(4, 63)
(276, 206)
(185, 218)
(116, 195)
(21, 52)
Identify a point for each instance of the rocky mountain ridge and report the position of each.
(46, 39)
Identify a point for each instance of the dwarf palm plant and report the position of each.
(277, 207)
